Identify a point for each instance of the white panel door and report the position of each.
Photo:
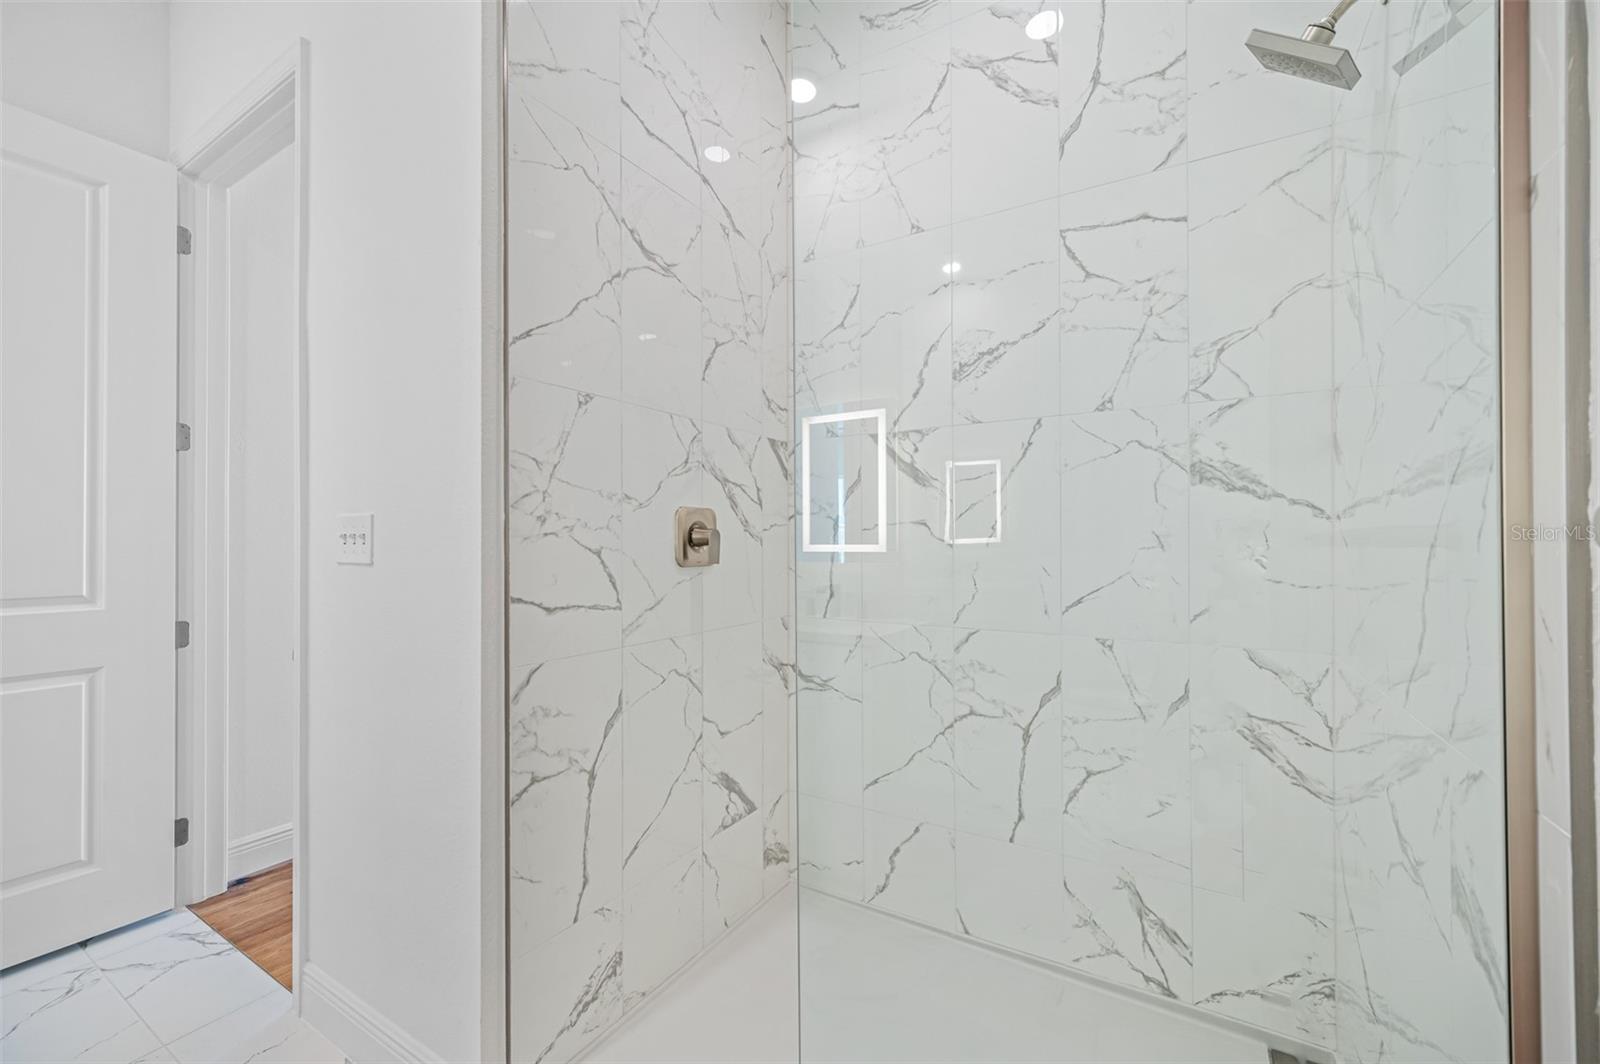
(88, 363)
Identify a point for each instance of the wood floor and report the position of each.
(255, 917)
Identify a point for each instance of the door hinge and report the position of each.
(185, 241)
(185, 436)
(183, 634)
(180, 831)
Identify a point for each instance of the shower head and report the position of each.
(1309, 59)
(1312, 55)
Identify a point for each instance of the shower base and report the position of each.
(880, 989)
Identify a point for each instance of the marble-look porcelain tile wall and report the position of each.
(1179, 661)
(649, 274)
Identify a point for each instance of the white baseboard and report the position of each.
(361, 1032)
(263, 849)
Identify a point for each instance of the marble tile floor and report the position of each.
(877, 989)
(166, 989)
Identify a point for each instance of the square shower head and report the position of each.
(1304, 59)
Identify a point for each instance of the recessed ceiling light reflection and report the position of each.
(1043, 26)
(951, 268)
(718, 154)
(802, 90)
(647, 337)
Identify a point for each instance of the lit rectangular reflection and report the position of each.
(953, 480)
(836, 495)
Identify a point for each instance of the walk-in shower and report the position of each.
(1103, 660)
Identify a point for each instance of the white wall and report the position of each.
(394, 330)
(263, 700)
(100, 67)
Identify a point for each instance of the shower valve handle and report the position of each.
(703, 537)
(695, 540)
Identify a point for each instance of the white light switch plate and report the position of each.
(355, 539)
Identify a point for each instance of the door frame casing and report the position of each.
(267, 115)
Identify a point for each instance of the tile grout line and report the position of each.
(138, 1014)
(139, 1017)
(227, 1015)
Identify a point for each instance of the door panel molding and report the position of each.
(87, 366)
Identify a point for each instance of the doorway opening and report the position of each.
(256, 916)
(241, 542)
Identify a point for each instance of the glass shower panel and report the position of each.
(1147, 603)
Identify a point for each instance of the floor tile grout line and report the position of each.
(106, 977)
(227, 1015)
(139, 1015)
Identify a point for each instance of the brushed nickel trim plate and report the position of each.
(696, 543)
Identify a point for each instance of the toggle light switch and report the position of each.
(355, 539)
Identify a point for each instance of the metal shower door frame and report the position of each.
(1516, 494)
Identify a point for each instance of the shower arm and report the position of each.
(1322, 32)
